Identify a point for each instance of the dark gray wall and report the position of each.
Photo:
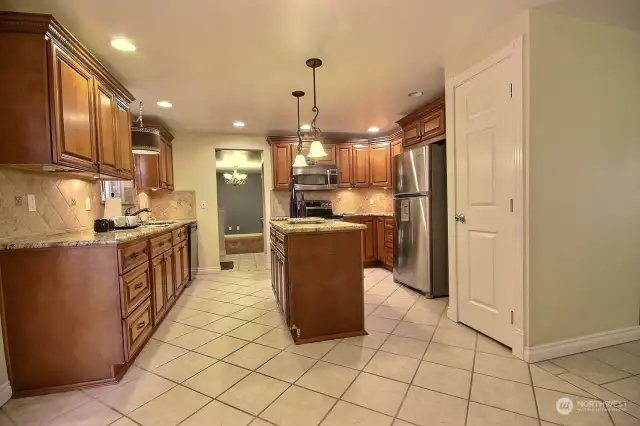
(242, 204)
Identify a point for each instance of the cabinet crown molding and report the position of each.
(421, 112)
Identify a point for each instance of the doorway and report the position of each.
(486, 186)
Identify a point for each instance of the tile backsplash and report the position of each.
(365, 200)
(60, 203)
(174, 205)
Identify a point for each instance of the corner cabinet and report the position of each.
(377, 239)
(68, 113)
(156, 171)
(425, 125)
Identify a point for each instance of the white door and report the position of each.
(485, 141)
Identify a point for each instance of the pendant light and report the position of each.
(300, 160)
(316, 150)
(145, 140)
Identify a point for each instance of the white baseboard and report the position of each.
(5, 392)
(207, 270)
(581, 344)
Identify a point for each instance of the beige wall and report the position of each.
(584, 171)
(195, 169)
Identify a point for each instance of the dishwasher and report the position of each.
(192, 244)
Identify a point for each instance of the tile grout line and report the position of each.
(535, 396)
(473, 369)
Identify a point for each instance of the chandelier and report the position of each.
(316, 150)
(235, 178)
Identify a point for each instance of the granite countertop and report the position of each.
(326, 226)
(86, 238)
(385, 214)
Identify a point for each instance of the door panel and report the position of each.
(361, 166)
(369, 239)
(106, 125)
(281, 156)
(345, 166)
(169, 165)
(125, 154)
(411, 249)
(158, 289)
(380, 238)
(485, 178)
(380, 165)
(162, 165)
(170, 285)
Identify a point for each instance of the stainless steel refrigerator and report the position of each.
(420, 212)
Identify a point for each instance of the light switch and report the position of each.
(87, 204)
(371, 201)
(230, 228)
(31, 202)
(203, 204)
(237, 228)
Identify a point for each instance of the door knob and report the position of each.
(461, 218)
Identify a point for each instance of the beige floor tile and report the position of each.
(550, 367)
(287, 366)
(330, 379)
(449, 380)
(194, 339)
(250, 331)
(369, 308)
(372, 340)
(228, 297)
(631, 347)
(265, 293)
(224, 325)
(169, 330)
(449, 355)
(426, 408)
(5, 420)
(274, 319)
(221, 347)
(345, 414)
(544, 379)
(461, 337)
(390, 312)
(483, 415)
(254, 393)
(179, 313)
(617, 358)
(216, 379)
(248, 314)
(504, 394)
(251, 356)
(430, 305)
(590, 368)
(314, 350)
(134, 372)
(413, 330)
(259, 422)
(504, 368)
(267, 305)
(276, 338)
(384, 325)
(298, 407)
(374, 299)
(398, 422)
(93, 413)
(218, 414)
(154, 358)
(184, 367)
(222, 308)
(376, 393)
(249, 300)
(123, 421)
(628, 388)
(547, 399)
(170, 408)
(393, 366)
(620, 418)
(136, 393)
(419, 316)
(591, 388)
(351, 356)
(405, 346)
(200, 320)
(490, 346)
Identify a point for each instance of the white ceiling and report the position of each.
(224, 60)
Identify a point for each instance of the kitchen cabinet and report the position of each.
(158, 294)
(377, 239)
(63, 111)
(156, 171)
(380, 239)
(168, 161)
(345, 166)
(396, 144)
(281, 156)
(170, 278)
(369, 245)
(425, 125)
(380, 165)
(361, 166)
(328, 160)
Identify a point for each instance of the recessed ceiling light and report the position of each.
(165, 104)
(415, 94)
(373, 129)
(123, 44)
(238, 124)
(305, 127)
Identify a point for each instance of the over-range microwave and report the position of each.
(315, 178)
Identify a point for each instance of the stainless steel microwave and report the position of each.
(315, 178)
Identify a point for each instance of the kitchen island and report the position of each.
(317, 277)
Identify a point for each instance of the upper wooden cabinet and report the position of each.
(281, 156)
(62, 111)
(396, 144)
(380, 165)
(361, 166)
(345, 166)
(327, 160)
(425, 125)
(156, 171)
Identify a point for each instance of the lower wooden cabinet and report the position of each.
(170, 278)
(377, 239)
(157, 295)
(137, 327)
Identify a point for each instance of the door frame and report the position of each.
(520, 324)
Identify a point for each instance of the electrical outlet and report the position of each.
(237, 228)
(203, 204)
(371, 201)
(18, 201)
(230, 228)
(87, 204)
(31, 202)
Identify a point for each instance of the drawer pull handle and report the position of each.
(138, 286)
(141, 325)
(136, 254)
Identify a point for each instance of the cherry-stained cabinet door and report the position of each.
(361, 166)
(125, 154)
(170, 281)
(169, 165)
(369, 245)
(380, 165)
(380, 234)
(158, 292)
(281, 156)
(106, 126)
(345, 166)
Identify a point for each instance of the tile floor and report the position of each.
(224, 357)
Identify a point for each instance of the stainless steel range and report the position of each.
(317, 208)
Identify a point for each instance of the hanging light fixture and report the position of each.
(299, 160)
(235, 178)
(316, 150)
(145, 140)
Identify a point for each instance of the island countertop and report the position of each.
(87, 238)
(326, 226)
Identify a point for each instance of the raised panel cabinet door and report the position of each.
(432, 126)
(380, 165)
(170, 279)
(361, 166)
(345, 166)
(380, 234)
(72, 93)
(106, 127)
(147, 171)
(411, 133)
(327, 160)
(369, 239)
(169, 165)
(162, 165)
(396, 146)
(158, 296)
(185, 263)
(125, 154)
(281, 156)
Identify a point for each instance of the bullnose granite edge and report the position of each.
(327, 226)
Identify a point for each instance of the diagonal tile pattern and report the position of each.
(224, 355)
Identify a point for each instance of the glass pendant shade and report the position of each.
(316, 150)
(300, 161)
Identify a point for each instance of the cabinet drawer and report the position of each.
(179, 235)
(279, 243)
(135, 287)
(132, 255)
(388, 257)
(388, 238)
(159, 245)
(137, 327)
(388, 222)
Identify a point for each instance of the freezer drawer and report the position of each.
(412, 257)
